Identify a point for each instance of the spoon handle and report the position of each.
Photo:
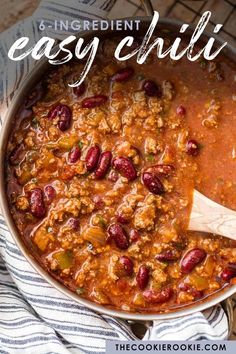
(208, 216)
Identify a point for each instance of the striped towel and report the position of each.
(34, 317)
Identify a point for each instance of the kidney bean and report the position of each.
(123, 74)
(104, 164)
(142, 277)
(65, 118)
(151, 89)
(220, 76)
(134, 235)
(128, 264)
(118, 234)
(158, 297)
(153, 183)
(227, 274)
(74, 154)
(161, 169)
(99, 203)
(50, 193)
(37, 206)
(194, 292)
(125, 167)
(54, 112)
(184, 287)
(15, 155)
(94, 101)
(79, 90)
(113, 176)
(191, 259)
(192, 147)
(92, 157)
(35, 95)
(197, 294)
(64, 115)
(73, 223)
(167, 256)
(121, 219)
(180, 110)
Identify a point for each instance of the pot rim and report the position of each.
(31, 78)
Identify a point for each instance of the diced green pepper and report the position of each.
(80, 144)
(150, 157)
(139, 77)
(102, 221)
(35, 123)
(64, 259)
(80, 291)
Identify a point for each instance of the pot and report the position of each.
(32, 78)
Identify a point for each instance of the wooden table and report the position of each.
(13, 11)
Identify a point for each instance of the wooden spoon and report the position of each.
(208, 216)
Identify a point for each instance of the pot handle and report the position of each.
(148, 7)
(142, 329)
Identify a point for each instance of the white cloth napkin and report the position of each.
(34, 317)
